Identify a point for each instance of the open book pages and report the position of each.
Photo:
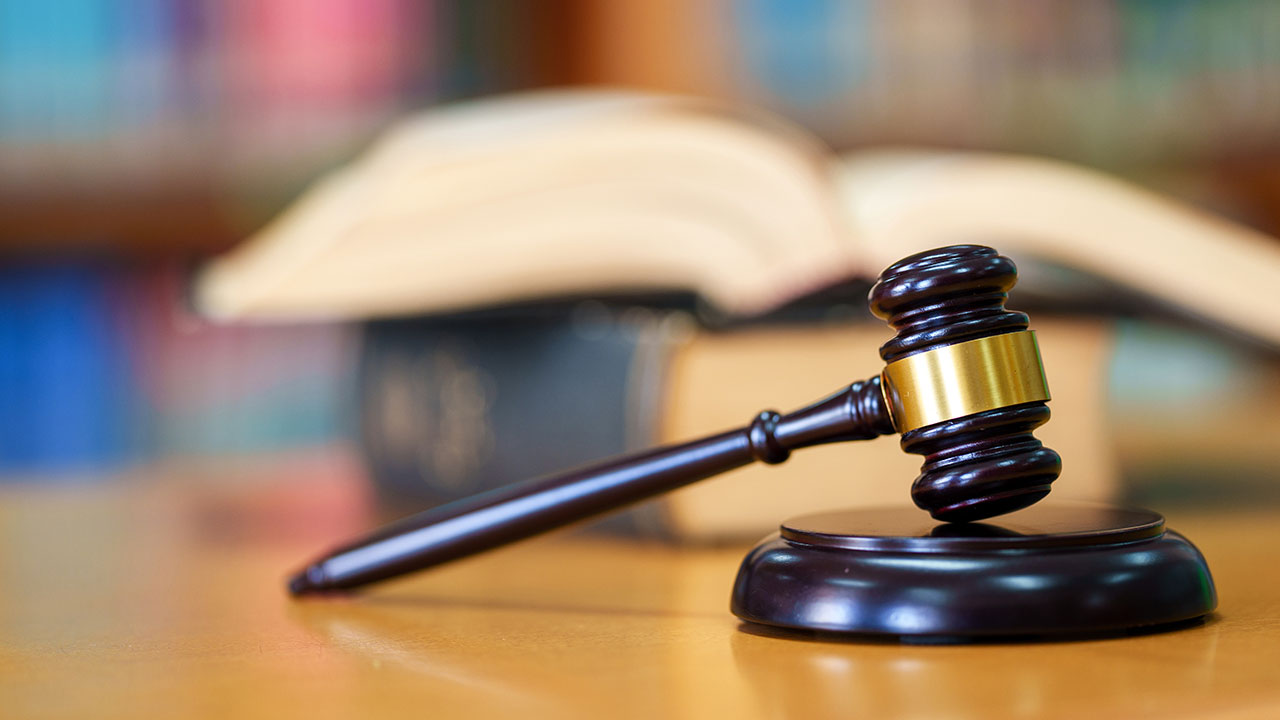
(571, 193)
(548, 194)
(902, 201)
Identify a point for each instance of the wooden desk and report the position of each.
(155, 600)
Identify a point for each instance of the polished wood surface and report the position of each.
(165, 599)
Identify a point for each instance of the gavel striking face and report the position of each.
(963, 384)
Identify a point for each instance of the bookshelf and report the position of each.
(159, 126)
(139, 136)
(172, 128)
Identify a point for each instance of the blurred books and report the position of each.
(178, 127)
(579, 193)
(173, 127)
(1115, 83)
(490, 218)
(138, 135)
(103, 369)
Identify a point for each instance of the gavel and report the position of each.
(963, 384)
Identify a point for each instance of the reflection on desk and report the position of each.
(147, 600)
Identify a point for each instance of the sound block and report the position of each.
(1047, 570)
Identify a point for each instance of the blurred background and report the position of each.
(139, 137)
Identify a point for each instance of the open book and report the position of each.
(570, 193)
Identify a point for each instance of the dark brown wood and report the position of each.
(179, 222)
(988, 463)
(1050, 570)
(518, 511)
(975, 467)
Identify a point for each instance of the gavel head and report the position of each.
(963, 383)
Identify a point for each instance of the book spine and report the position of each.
(452, 407)
(64, 373)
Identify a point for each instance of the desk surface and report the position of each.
(150, 600)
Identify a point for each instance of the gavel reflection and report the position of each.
(963, 384)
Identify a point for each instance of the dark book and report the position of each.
(454, 406)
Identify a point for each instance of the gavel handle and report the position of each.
(514, 512)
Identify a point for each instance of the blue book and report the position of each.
(55, 68)
(65, 373)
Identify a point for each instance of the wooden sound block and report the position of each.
(1048, 570)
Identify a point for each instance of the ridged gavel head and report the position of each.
(957, 348)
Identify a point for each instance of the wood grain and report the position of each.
(165, 600)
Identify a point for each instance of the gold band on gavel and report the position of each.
(963, 379)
